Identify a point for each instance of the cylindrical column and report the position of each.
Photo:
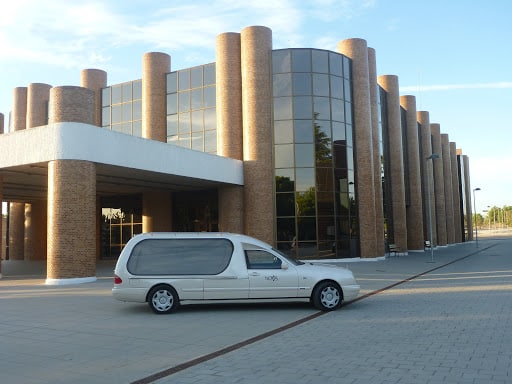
(427, 177)
(448, 190)
(19, 109)
(95, 80)
(439, 185)
(17, 209)
(16, 231)
(156, 211)
(457, 222)
(71, 222)
(256, 51)
(415, 238)
(38, 96)
(396, 163)
(71, 104)
(377, 165)
(357, 50)
(229, 125)
(155, 66)
(469, 197)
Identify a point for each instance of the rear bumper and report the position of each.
(135, 295)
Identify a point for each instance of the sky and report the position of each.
(455, 56)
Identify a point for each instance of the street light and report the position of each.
(474, 209)
(431, 157)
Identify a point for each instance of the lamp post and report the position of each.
(431, 157)
(474, 209)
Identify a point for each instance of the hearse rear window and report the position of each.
(180, 257)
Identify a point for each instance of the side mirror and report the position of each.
(284, 266)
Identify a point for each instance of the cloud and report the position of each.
(452, 87)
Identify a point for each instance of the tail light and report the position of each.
(117, 280)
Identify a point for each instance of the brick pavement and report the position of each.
(448, 326)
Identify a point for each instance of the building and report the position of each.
(306, 149)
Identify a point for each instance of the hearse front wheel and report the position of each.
(163, 299)
(327, 296)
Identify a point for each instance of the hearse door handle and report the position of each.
(255, 274)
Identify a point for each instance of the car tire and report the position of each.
(327, 296)
(163, 299)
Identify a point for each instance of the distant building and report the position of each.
(306, 149)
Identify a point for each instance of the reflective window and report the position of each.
(338, 132)
(172, 82)
(302, 107)
(282, 108)
(116, 94)
(184, 101)
(281, 61)
(127, 112)
(338, 110)
(196, 77)
(105, 97)
(303, 130)
(285, 204)
(209, 97)
(210, 141)
(304, 179)
(137, 90)
(336, 87)
(301, 60)
(320, 61)
(209, 74)
(284, 156)
(137, 110)
(172, 125)
(285, 180)
(282, 84)
(197, 141)
(322, 108)
(304, 155)
(302, 84)
(196, 98)
(127, 92)
(184, 123)
(283, 132)
(116, 114)
(336, 64)
(183, 79)
(320, 84)
(197, 121)
(105, 116)
(210, 119)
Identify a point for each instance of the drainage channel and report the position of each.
(180, 367)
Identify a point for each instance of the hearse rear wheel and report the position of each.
(163, 299)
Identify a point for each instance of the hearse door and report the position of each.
(269, 276)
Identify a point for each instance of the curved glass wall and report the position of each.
(314, 163)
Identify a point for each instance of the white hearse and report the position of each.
(169, 269)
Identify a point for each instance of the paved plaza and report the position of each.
(416, 321)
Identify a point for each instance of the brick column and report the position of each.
(71, 197)
(38, 96)
(415, 209)
(396, 155)
(156, 211)
(229, 126)
(448, 190)
(17, 209)
(155, 66)
(256, 51)
(456, 196)
(427, 176)
(377, 182)
(439, 185)
(469, 197)
(357, 50)
(95, 80)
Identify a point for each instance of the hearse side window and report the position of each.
(180, 257)
(257, 259)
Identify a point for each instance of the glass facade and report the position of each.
(121, 108)
(191, 114)
(313, 149)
